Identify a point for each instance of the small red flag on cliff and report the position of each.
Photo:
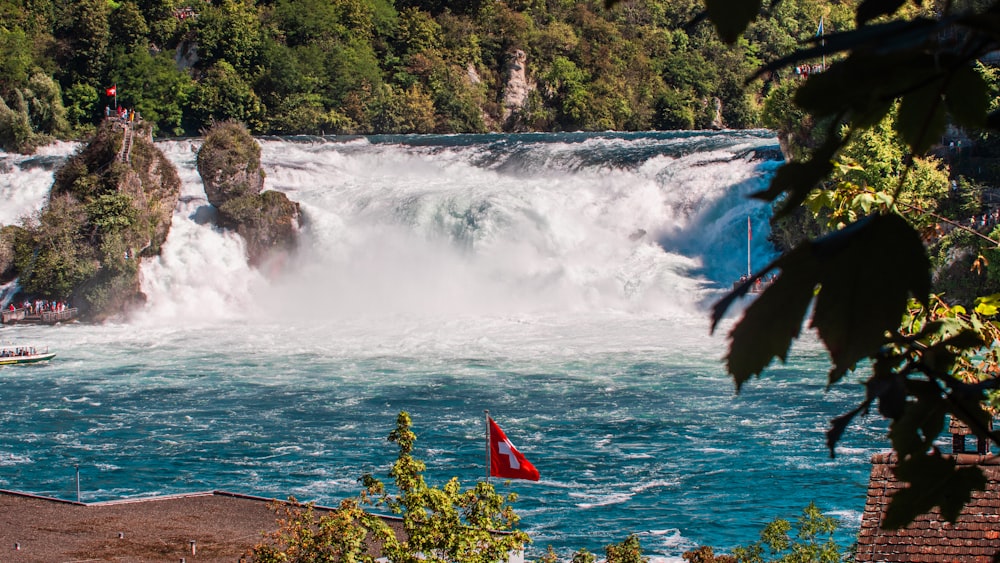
(505, 460)
(113, 91)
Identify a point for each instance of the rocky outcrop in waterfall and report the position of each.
(111, 204)
(229, 165)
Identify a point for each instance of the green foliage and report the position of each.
(440, 524)
(101, 214)
(813, 541)
(706, 554)
(111, 213)
(230, 37)
(852, 323)
(81, 106)
(15, 58)
(45, 107)
(224, 95)
(306, 536)
(16, 134)
(84, 27)
(628, 551)
(230, 152)
(153, 86)
(583, 556)
(245, 209)
(307, 66)
(128, 27)
(50, 258)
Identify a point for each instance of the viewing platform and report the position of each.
(25, 316)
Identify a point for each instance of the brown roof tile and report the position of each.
(974, 538)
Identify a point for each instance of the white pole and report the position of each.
(822, 40)
(749, 271)
(488, 457)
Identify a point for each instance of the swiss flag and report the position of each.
(112, 91)
(505, 460)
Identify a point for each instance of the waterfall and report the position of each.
(465, 225)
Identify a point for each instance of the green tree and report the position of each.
(81, 106)
(50, 258)
(223, 95)
(628, 551)
(564, 84)
(154, 86)
(231, 33)
(128, 27)
(813, 541)
(440, 524)
(83, 35)
(15, 59)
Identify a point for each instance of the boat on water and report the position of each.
(10, 355)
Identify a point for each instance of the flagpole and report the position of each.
(116, 95)
(489, 458)
(822, 40)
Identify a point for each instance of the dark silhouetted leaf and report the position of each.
(774, 319)
(966, 97)
(993, 120)
(891, 395)
(871, 9)
(886, 38)
(839, 425)
(922, 420)
(731, 17)
(869, 270)
(797, 179)
(934, 481)
(921, 119)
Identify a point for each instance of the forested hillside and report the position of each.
(378, 66)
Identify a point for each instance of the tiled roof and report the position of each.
(974, 538)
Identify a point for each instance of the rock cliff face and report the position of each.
(229, 164)
(516, 91)
(111, 205)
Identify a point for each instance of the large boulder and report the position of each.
(111, 204)
(229, 165)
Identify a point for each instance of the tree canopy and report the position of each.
(373, 66)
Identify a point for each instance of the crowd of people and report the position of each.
(759, 285)
(18, 351)
(122, 113)
(803, 71)
(39, 306)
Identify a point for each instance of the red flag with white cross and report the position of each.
(505, 460)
